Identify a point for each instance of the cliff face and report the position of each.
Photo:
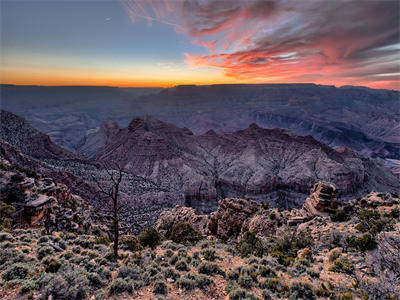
(270, 165)
(19, 133)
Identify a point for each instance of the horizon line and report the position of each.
(187, 85)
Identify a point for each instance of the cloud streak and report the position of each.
(331, 42)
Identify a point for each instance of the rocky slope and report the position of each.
(20, 134)
(269, 165)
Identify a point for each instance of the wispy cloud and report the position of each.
(337, 42)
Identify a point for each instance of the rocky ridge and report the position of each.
(255, 163)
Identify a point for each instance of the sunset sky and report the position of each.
(166, 43)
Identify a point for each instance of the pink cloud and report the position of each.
(336, 42)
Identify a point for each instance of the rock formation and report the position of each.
(228, 220)
(270, 165)
(41, 201)
(179, 214)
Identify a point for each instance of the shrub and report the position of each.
(29, 285)
(132, 272)
(266, 296)
(210, 268)
(150, 238)
(53, 266)
(67, 283)
(119, 286)
(333, 255)
(16, 271)
(266, 271)
(322, 291)
(371, 221)
(241, 294)
(395, 213)
(4, 236)
(364, 243)
(186, 284)
(174, 258)
(250, 244)
(130, 244)
(271, 284)
(245, 281)
(17, 177)
(340, 216)
(181, 266)
(301, 290)
(209, 254)
(170, 273)
(43, 251)
(346, 296)
(102, 240)
(95, 280)
(184, 233)
(341, 265)
(160, 288)
(5, 215)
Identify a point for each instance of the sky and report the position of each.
(167, 43)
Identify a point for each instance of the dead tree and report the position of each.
(112, 192)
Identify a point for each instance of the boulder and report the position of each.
(181, 214)
(230, 216)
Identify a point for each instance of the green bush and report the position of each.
(170, 273)
(184, 233)
(160, 288)
(52, 267)
(340, 216)
(119, 286)
(341, 265)
(181, 266)
(16, 271)
(131, 272)
(209, 254)
(174, 258)
(210, 268)
(371, 221)
(250, 244)
(186, 284)
(43, 251)
(150, 238)
(130, 244)
(245, 281)
(301, 290)
(239, 294)
(29, 285)
(67, 283)
(102, 240)
(95, 280)
(5, 215)
(364, 243)
(346, 296)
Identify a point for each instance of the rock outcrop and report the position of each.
(322, 200)
(228, 220)
(40, 201)
(180, 214)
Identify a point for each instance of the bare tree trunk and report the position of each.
(112, 193)
(116, 224)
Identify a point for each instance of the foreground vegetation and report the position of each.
(339, 260)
